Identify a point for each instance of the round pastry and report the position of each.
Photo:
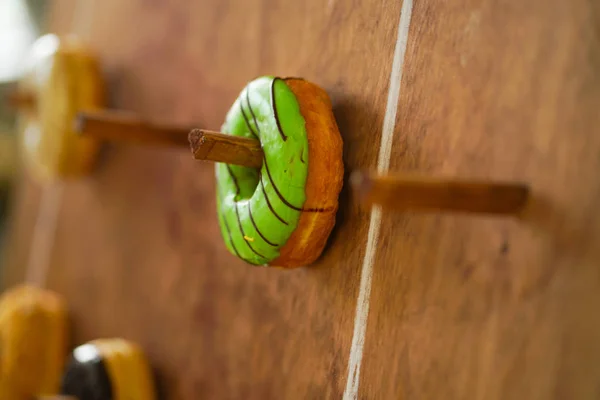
(108, 369)
(281, 214)
(62, 78)
(33, 335)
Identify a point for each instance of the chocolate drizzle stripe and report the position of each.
(317, 210)
(257, 230)
(252, 111)
(227, 227)
(302, 159)
(237, 189)
(237, 253)
(237, 213)
(247, 121)
(287, 203)
(274, 106)
(235, 182)
(262, 185)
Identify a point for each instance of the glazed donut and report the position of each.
(281, 214)
(33, 336)
(63, 78)
(108, 369)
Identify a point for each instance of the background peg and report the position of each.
(117, 126)
(408, 192)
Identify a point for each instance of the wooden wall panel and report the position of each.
(461, 307)
(137, 249)
(487, 308)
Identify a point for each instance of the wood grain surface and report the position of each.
(138, 252)
(488, 308)
(461, 307)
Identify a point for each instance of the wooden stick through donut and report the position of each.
(405, 192)
(124, 127)
(229, 149)
(393, 192)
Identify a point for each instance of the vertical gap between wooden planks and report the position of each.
(383, 163)
(44, 230)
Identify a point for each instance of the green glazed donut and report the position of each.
(259, 209)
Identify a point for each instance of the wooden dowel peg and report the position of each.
(21, 100)
(124, 127)
(406, 192)
(218, 147)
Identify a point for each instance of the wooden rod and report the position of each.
(124, 127)
(229, 149)
(404, 192)
(21, 100)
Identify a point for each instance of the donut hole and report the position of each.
(247, 181)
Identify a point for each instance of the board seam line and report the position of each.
(40, 250)
(44, 229)
(383, 163)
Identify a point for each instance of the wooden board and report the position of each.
(461, 307)
(473, 308)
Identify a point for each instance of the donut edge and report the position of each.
(324, 180)
(74, 63)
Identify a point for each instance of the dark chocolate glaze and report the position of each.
(235, 182)
(257, 230)
(228, 230)
(87, 379)
(237, 253)
(235, 250)
(247, 121)
(252, 113)
(263, 188)
(269, 202)
(287, 203)
(274, 106)
(237, 213)
(318, 210)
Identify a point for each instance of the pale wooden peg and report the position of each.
(124, 127)
(408, 192)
